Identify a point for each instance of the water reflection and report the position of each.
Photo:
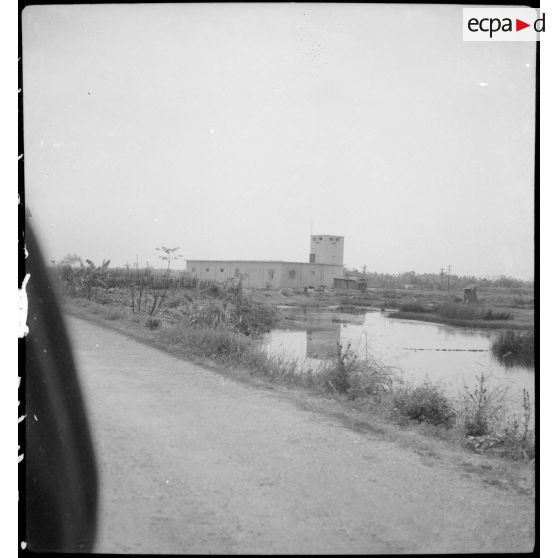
(323, 343)
(304, 344)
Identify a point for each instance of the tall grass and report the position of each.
(486, 422)
(515, 348)
(470, 312)
(347, 374)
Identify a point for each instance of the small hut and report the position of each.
(349, 283)
(470, 294)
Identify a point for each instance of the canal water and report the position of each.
(453, 356)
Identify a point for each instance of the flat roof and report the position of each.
(258, 261)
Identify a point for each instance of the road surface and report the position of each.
(192, 462)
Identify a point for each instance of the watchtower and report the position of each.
(326, 249)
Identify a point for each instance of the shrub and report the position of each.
(214, 290)
(254, 318)
(152, 323)
(493, 315)
(514, 440)
(512, 347)
(350, 375)
(424, 403)
(336, 375)
(482, 409)
(370, 379)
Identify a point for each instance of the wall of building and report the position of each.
(326, 249)
(261, 274)
(296, 275)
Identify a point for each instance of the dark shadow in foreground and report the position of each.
(61, 487)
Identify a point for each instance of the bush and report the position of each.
(514, 440)
(336, 375)
(424, 403)
(152, 323)
(482, 409)
(514, 348)
(254, 318)
(493, 315)
(348, 374)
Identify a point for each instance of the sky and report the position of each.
(235, 130)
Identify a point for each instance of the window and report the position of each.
(312, 272)
(237, 272)
(292, 273)
(312, 258)
(319, 238)
(207, 269)
(270, 274)
(222, 270)
(193, 270)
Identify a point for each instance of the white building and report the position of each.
(326, 262)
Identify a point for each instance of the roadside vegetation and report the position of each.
(223, 324)
(514, 348)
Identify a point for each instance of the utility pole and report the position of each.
(441, 279)
(449, 271)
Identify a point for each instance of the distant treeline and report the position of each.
(436, 281)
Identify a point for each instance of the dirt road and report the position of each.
(193, 462)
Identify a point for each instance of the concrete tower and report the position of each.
(326, 249)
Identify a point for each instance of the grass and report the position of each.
(458, 314)
(485, 422)
(213, 333)
(515, 348)
(220, 342)
(470, 312)
(414, 307)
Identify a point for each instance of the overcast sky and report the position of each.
(228, 130)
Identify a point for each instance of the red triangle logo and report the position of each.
(519, 25)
